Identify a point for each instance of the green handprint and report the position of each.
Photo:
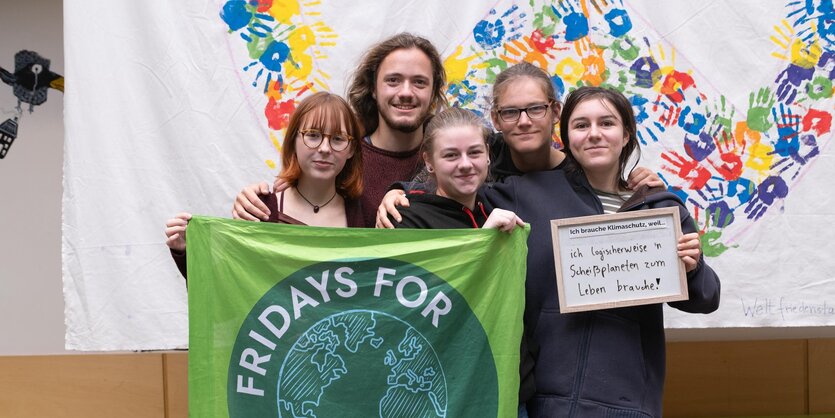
(724, 116)
(758, 115)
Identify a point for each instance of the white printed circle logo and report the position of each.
(367, 338)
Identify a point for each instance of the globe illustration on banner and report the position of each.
(377, 363)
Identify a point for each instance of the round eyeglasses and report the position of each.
(313, 138)
(512, 114)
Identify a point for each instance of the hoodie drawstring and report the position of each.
(470, 213)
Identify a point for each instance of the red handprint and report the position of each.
(686, 169)
(729, 164)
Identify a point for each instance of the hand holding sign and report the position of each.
(625, 259)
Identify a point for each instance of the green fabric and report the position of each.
(303, 321)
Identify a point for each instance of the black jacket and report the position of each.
(430, 211)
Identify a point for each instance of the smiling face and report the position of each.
(403, 89)
(526, 135)
(458, 160)
(596, 137)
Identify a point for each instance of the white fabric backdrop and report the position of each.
(166, 111)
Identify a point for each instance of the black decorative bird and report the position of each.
(31, 79)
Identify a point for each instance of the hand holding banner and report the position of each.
(288, 320)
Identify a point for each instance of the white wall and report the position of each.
(31, 301)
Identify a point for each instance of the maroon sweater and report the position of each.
(381, 168)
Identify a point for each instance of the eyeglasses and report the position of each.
(534, 112)
(313, 138)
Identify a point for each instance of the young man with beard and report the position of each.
(397, 85)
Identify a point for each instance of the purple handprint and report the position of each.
(771, 189)
(790, 80)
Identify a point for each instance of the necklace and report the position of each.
(315, 207)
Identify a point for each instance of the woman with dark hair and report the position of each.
(609, 362)
(322, 164)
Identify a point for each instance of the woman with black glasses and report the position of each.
(322, 164)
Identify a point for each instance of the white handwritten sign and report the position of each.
(623, 259)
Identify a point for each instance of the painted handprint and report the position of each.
(646, 72)
(688, 170)
(817, 121)
(728, 163)
(759, 108)
(692, 121)
(788, 129)
(525, 50)
(717, 216)
(491, 34)
(700, 145)
(771, 189)
(790, 81)
(616, 18)
(648, 130)
(576, 23)
(723, 115)
(814, 18)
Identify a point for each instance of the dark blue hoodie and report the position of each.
(607, 363)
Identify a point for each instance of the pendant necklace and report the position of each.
(315, 207)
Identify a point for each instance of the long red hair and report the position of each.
(327, 113)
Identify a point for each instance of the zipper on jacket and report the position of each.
(581, 365)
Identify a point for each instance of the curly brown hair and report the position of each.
(363, 81)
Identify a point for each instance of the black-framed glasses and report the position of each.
(313, 138)
(512, 114)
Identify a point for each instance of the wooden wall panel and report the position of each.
(176, 385)
(736, 378)
(704, 379)
(822, 376)
(82, 386)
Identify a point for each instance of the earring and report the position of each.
(488, 161)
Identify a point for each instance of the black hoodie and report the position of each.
(430, 211)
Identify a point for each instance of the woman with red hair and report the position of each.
(321, 162)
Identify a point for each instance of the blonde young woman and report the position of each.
(456, 156)
(322, 164)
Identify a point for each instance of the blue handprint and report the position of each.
(691, 122)
(576, 23)
(491, 34)
(619, 22)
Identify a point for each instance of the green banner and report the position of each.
(297, 321)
